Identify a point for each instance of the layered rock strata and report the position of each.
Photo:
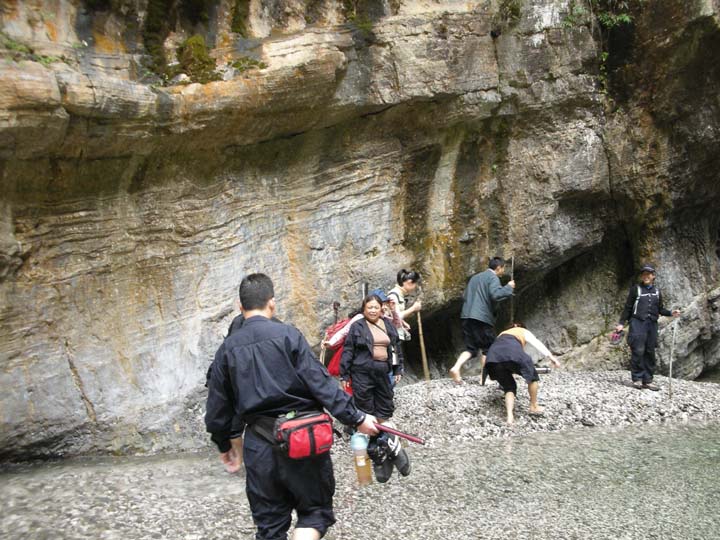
(423, 134)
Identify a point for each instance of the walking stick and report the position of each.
(393, 431)
(423, 355)
(512, 296)
(672, 353)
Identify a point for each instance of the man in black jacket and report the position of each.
(264, 370)
(233, 460)
(643, 307)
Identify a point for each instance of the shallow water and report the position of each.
(638, 482)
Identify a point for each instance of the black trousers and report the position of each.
(275, 485)
(372, 391)
(642, 339)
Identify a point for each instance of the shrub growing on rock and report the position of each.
(195, 60)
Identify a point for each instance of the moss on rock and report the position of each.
(240, 13)
(195, 61)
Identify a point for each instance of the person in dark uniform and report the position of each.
(370, 354)
(643, 307)
(261, 371)
(233, 459)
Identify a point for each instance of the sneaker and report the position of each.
(398, 455)
(383, 471)
(378, 451)
(651, 386)
(638, 385)
(402, 462)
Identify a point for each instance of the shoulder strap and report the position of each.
(383, 330)
(637, 300)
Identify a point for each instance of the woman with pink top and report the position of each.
(336, 341)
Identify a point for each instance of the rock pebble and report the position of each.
(606, 462)
(444, 412)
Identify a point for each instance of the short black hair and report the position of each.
(256, 290)
(496, 262)
(407, 275)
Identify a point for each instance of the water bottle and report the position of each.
(358, 444)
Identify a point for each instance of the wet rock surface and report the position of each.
(647, 470)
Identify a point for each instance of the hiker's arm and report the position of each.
(219, 410)
(534, 342)
(663, 311)
(498, 292)
(417, 306)
(338, 336)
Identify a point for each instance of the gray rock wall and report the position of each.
(408, 136)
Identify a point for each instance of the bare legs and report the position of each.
(464, 357)
(533, 391)
(534, 408)
(306, 533)
(509, 407)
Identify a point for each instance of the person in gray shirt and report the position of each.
(480, 299)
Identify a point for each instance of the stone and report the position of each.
(402, 136)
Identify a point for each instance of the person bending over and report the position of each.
(507, 357)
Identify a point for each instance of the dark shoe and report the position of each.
(402, 462)
(382, 464)
(383, 471)
(651, 386)
(397, 455)
(638, 385)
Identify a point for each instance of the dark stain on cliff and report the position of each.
(416, 179)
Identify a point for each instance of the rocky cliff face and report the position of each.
(328, 145)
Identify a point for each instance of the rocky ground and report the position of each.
(442, 411)
(623, 463)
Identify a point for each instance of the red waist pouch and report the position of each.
(305, 435)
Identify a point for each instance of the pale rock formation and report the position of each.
(405, 135)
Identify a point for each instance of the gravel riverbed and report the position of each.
(606, 461)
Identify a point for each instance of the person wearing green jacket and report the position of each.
(480, 299)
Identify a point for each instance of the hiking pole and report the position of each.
(393, 431)
(512, 296)
(672, 353)
(423, 354)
